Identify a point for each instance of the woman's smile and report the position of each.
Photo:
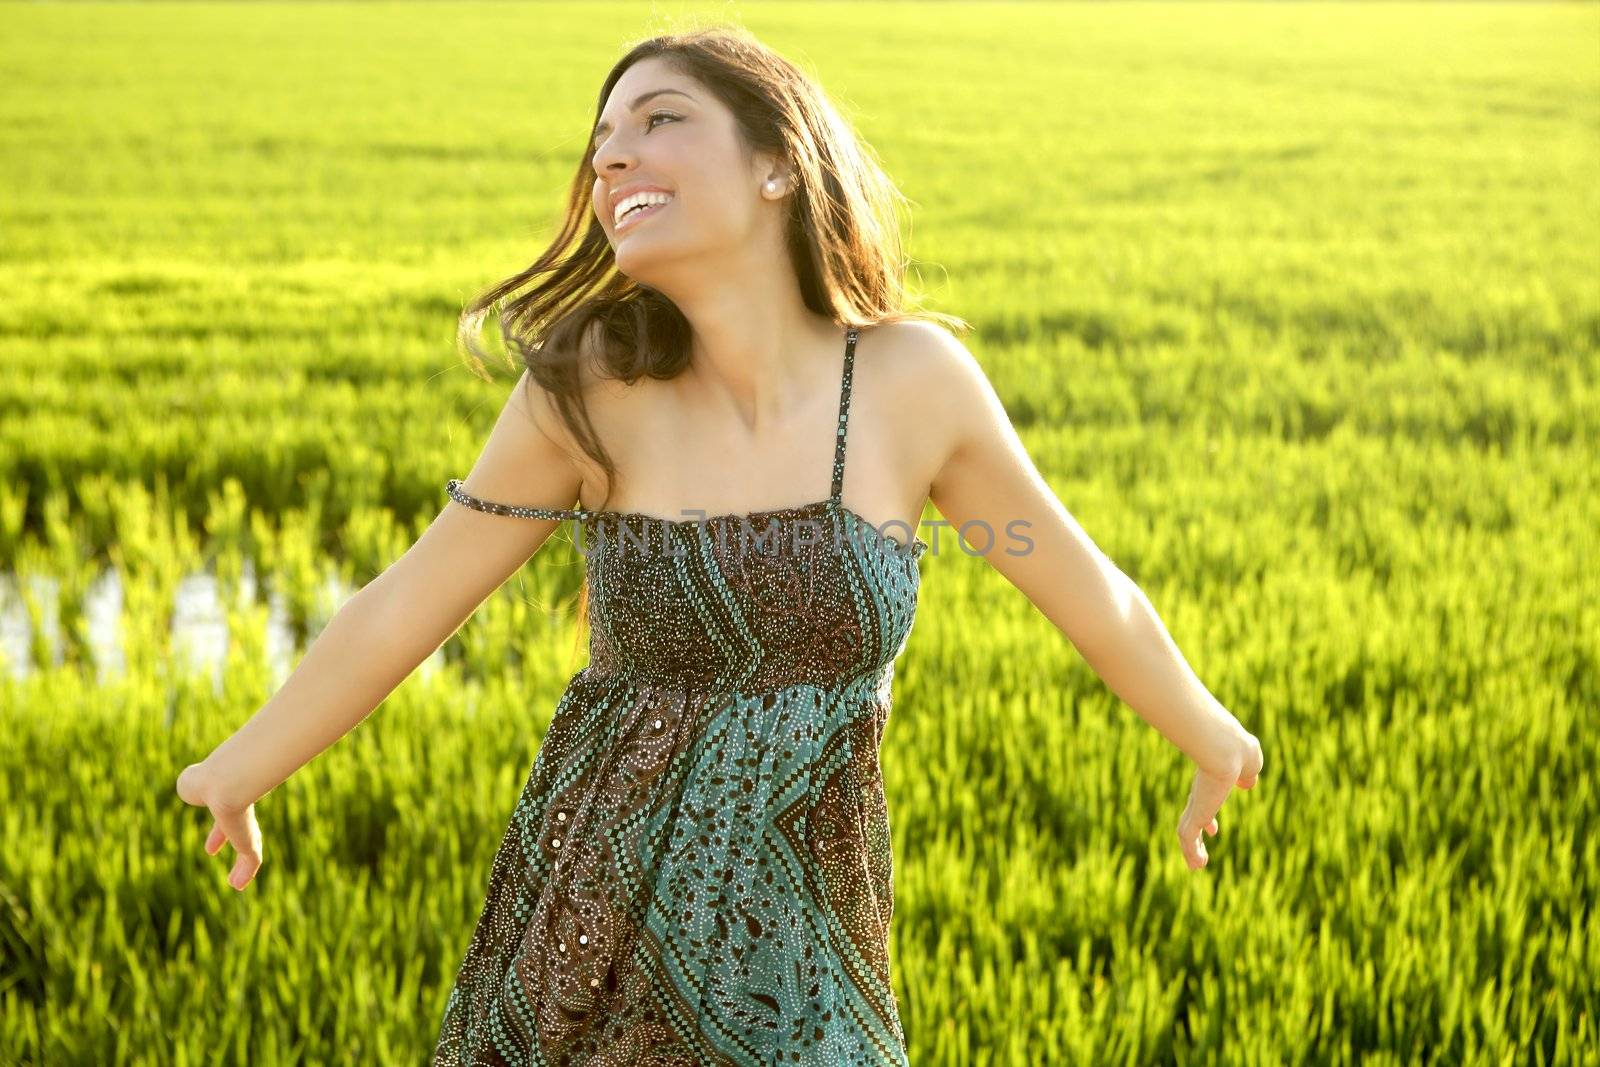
(632, 218)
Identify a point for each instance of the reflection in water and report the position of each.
(199, 625)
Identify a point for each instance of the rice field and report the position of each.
(1297, 308)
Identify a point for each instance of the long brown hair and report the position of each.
(843, 238)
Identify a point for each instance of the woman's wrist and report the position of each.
(212, 782)
(1226, 753)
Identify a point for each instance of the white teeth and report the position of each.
(640, 200)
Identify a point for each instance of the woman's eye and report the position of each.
(649, 123)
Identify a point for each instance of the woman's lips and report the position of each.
(633, 217)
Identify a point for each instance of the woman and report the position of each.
(698, 869)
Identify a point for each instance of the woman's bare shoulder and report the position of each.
(928, 382)
(914, 360)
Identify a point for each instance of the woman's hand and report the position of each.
(231, 823)
(1206, 795)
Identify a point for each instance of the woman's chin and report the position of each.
(634, 257)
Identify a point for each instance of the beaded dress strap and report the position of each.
(460, 496)
(844, 415)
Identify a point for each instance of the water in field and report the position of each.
(199, 624)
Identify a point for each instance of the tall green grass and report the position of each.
(1295, 307)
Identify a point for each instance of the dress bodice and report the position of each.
(810, 594)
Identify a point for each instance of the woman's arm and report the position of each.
(987, 479)
(380, 635)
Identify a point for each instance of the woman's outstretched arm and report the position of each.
(987, 479)
(380, 635)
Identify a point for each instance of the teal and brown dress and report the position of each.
(698, 869)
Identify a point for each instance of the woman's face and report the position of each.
(662, 132)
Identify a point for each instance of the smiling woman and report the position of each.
(699, 867)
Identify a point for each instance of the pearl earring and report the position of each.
(772, 185)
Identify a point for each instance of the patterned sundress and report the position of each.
(698, 870)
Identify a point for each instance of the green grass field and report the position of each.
(1296, 306)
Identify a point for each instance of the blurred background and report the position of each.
(1297, 307)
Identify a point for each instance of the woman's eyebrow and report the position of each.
(602, 126)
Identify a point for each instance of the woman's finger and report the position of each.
(1206, 794)
(245, 836)
(1190, 838)
(215, 839)
(1194, 850)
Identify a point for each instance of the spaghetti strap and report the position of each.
(844, 415)
(461, 496)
